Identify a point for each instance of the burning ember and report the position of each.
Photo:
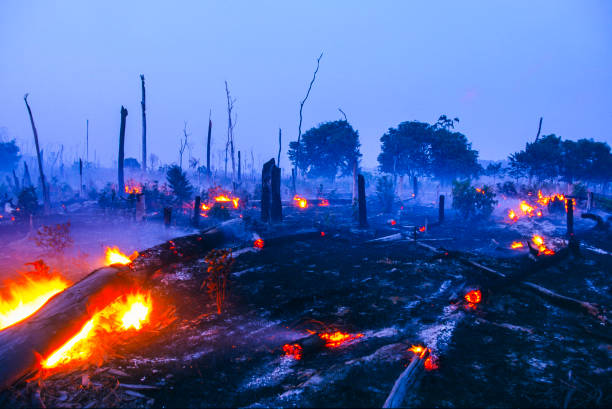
(258, 244)
(538, 241)
(531, 210)
(225, 198)
(473, 297)
(418, 350)
(323, 202)
(300, 202)
(431, 362)
(512, 215)
(127, 313)
(293, 350)
(393, 222)
(114, 256)
(133, 188)
(24, 296)
(335, 339)
(517, 245)
(422, 229)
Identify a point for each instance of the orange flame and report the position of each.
(431, 363)
(27, 294)
(258, 244)
(512, 215)
(473, 297)
(517, 245)
(225, 198)
(133, 188)
(323, 202)
(293, 350)
(129, 312)
(335, 339)
(114, 256)
(418, 350)
(301, 202)
(538, 241)
(422, 229)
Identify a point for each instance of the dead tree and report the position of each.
(208, 145)
(441, 209)
(363, 216)
(43, 183)
(144, 124)
(539, 130)
(183, 145)
(239, 164)
(196, 211)
(80, 176)
(280, 144)
(230, 132)
(121, 182)
(276, 208)
(299, 139)
(266, 190)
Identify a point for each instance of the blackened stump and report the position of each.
(196, 211)
(167, 216)
(120, 181)
(441, 209)
(569, 204)
(266, 190)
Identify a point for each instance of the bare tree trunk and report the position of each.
(355, 182)
(297, 155)
(120, 181)
(239, 164)
(208, 146)
(43, 183)
(144, 124)
(80, 177)
(280, 144)
(363, 217)
(266, 190)
(539, 129)
(230, 132)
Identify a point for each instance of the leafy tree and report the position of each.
(27, 203)
(452, 156)
(540, 159)
(472, 202)
(9, 156)
(406, 150)
(385, 190)
(586, 160)
(327, 149)
(131, 163)
(178, 182)
(494, 170)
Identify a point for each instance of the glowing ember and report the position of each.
(129, 312)
(258, 244)
(526, 208)
(323, 202)
(293, 350)
(393, 222)
(114, 256)
(133, 188)
(300, 202)
(335, 339)
(473, 297)
(480, 191)
(512, 215)
(431, 363)
(517, 245)
(224, 198)
(538, 241)
(422, 229)
(418, 350)
(24, 296)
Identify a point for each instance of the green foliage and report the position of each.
(27, 203)
(329, 148)
(9, 156)
(420, 149)
(472, 203)
(385, 191)
(507, 189)
(494, 170)
(179, 184)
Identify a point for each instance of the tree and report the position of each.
(494, 170)
(452, 156)
(540, 159)
(471, 202)
(326, 149)
(586, 160)
(406, 150)
(178, 182)
(131, 163)
(9, 156)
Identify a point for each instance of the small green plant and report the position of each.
(472, 202)
(219, 267)
(385, 190)
(27, 203)
(179, 184)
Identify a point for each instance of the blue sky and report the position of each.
(498, 66)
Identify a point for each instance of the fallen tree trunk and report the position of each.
(405, 381)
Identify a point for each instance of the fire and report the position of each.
(293, 350)
(512, 215)
(422, 229)
(323, 202)
(127, 313)
(225, 198)
(431, 363)
(27, 294)
(258, 244)
(300, 202)
(526, 208)
(393, 222)
(480, 191)
(335, 339)
(114, 256)
(418, 350)
(517, 245)
(538, 241)
(133, 188)
(473, 297)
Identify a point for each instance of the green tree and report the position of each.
(9, 156)
(178, 182)
(471, 202)
(329, 148)
(406, 150)
(452, 156)
(540, 159)
(494, 170)
(586, 160)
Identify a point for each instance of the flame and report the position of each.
(225, 198)
(431, 363)
(128, 312)
(114, 256)
(293, 350)
(473, 297)
(538, 241)
(422, 229)
(133, 188)
(323, 202)
(517, 245)
(418, 350)
(258, 244)
(204, 207)
(301, 202)
(480, 191)
(393, 222)
(335, 339)
(512, 215)
(27, 294)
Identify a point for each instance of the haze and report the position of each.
(498, 66)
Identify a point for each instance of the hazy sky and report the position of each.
(498, 66)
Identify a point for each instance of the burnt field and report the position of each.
(324, 313)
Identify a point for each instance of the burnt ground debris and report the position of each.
(513, 349)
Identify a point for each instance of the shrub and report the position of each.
(177, 179)
(27, 203)
(219, 267)
(473, 202)
(54, 239)
(507, 188)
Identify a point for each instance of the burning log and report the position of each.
(407, 379)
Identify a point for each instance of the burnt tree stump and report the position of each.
(266, 190)
(569, 204)
(196, 211)
(120, 181)
(363, 215)
(167, 216)
(276, 208)
(441, 209)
